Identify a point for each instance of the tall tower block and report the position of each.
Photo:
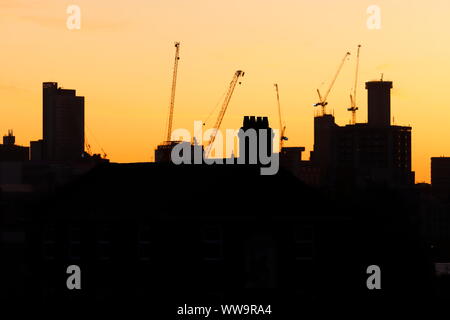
(63, 123)
(379, 103)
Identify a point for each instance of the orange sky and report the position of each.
(121, 61)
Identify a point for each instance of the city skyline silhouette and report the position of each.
(335, 191)
(277, 45)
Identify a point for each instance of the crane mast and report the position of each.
(172, 95)
(323, 99)
(228, 95)
(353, 106)
(282, 128)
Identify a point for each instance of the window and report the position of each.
(48, 287)
(49, 242)
(74, 243)
(144, 245)
(304, 243)
(212, 243)
(104, 246)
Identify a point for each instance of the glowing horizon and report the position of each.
(121, 62)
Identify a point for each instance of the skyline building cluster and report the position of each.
(353, 154)
(356, 155)
(357, 204)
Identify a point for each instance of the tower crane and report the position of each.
(282, 127)
(323, 99)
(87, 146)
(228, 95)
(172, 95)
(353, 106)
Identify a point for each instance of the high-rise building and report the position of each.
(379, 103)
(363, 153)
(63, 124)
(357, 154)
(440, 175)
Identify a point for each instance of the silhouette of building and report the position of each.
(37, 150)
(364, 153)
(440, 175)
(369, 154)
(9, 139)
(255, 134)
(63, 125)
(274, 234)
(255, 139)
(265, 247)
(379, 103)
(9, 151)
(290, 156)
(163, 151)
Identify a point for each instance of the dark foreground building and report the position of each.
(159, 236)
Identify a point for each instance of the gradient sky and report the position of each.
(121, 61)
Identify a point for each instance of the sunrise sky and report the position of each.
(121, 61)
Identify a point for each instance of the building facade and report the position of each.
(9, 151)
(360, 154)
(63, 124)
